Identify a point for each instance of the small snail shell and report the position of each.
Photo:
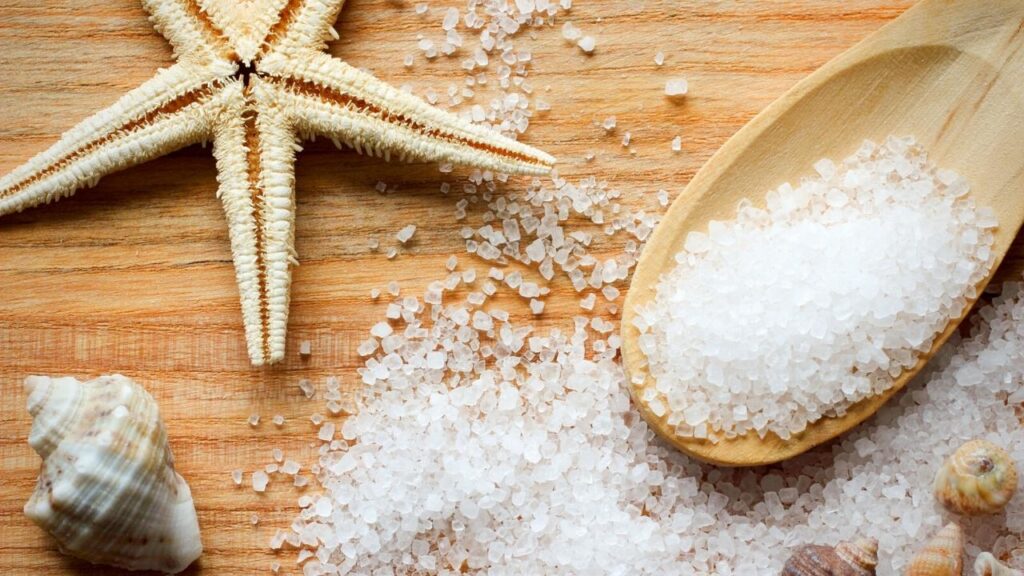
(979, 478)
(987, 565)
(107, 489)
(856, 558)
(942, 555)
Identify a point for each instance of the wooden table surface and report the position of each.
(135, 276)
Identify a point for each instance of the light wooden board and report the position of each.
(135, 275)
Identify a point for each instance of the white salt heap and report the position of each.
(524, 456)
(781, 316)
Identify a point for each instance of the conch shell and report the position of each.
(942, 555)
(856, 558)
(987, 565)
(107, 489)
(979, 478)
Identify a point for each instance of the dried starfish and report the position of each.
(253, 77)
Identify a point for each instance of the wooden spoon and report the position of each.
(948, 72)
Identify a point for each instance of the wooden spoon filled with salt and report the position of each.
(761, 325)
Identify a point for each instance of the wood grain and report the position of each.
(135, 276)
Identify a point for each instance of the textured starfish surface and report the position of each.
(252, 77)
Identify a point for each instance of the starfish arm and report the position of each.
(255, 147)
(303, 25)
(189, 29)
(166, 113)
(327, 96)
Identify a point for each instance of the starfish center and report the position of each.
(245, 71)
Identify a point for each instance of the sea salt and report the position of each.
(677, 144)
(558, 466)
(800, 310)
(570, 32)
(307, 388)
(536, 306)
(406, 233)
(260, 480)
(676, 87)
(587, 44)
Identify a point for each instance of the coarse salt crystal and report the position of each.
(406, 233)
(676, 87)
(260, 481)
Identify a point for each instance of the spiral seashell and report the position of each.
(942, 555)
(979, 478)
(107, 489)
(987, 565)
(856, 558)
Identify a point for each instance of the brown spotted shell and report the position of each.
(987, 565)
(942, 555)
(979, 478)
(856, 558)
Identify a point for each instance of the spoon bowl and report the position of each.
(950, 73)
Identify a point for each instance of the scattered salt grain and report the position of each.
(254, 420)
(609, 123)
(677, 144)
(676, 87)
(451, 19)
(571, 32)
(536, 306)
(659, 58)
(260, 480)
(307, 388)
(305, 348)
(610, 293)
(587, 303)
(278, 420)
(587, 44)
(405, 234)
(236, 477)
(326, 432)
